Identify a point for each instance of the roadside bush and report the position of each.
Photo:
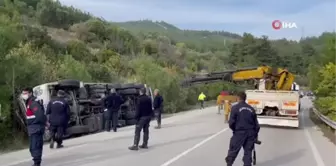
(326, 91)
(149, 72)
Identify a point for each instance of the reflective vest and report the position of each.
(201, 97)
(30, 112)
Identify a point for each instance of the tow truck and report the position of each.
(275, 101)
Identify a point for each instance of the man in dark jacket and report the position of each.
(112, 104)
(58, 112)
(158, 107)
(244, 124)
(36, 123)
(144, 113)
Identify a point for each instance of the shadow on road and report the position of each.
(283, 159)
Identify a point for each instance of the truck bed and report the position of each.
(275, 108)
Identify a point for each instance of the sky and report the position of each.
(312, 17)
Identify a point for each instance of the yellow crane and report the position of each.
(264, 77)
(273, 98)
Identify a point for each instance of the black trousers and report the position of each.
(202, 104)
(142, 124)
(158, 113)
(111, 119)
(245, 139)
(36, 146)
(57, 133)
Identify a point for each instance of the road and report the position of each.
(194, 138)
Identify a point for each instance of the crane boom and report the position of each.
(273, 78)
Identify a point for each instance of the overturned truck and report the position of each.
(85, 100)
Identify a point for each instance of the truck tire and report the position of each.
(115, 86)
(131, 122)
(139, 86)
(127, 86)
(75, 84)
(128, 92)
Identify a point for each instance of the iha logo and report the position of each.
(277, 25)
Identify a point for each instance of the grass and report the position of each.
(20, 141)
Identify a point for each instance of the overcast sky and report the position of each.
(312, 17)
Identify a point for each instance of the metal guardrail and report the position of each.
(325, 119)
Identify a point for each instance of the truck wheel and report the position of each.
(128, 92)
(139, 86)
(126, 86)
(69, 84)
(115, 86)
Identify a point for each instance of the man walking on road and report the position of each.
(36, 123)
(144, 114)
(58, 112)
(244, 124)
(158, 107)
(201, 98)
(112, 105)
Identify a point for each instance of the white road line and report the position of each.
(169, 162)
(316, 154)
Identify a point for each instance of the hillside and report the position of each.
(43, 41)
(193, 38)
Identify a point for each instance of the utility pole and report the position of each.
(13, 95)
(302, 33)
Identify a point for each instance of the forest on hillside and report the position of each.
(43, 41)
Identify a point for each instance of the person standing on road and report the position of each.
(158, 107)
(58, 113)
(112, 104)
(201, 98)
(36, 123)
(220, 103)
(244, 124)
(144, 114)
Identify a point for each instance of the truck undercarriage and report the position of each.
(85, 100)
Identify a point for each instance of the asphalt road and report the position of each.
(195, 138)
